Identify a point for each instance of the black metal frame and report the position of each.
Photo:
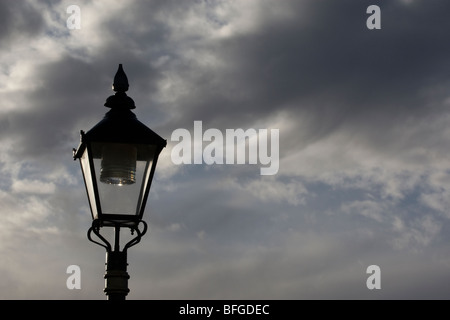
(119, 125)
(108, 218)
(96, 226)
(116, 275)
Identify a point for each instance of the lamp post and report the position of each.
(118, 158)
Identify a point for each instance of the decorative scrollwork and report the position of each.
(96, 227)
(139, 234)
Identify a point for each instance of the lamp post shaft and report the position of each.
(116, 276)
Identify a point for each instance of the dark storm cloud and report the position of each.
(317, 64)
(68, 92)
(321, 63)
(18, 21)
(329, 68)
(70, 97)
(64, 94)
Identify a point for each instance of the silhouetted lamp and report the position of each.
(118, 158)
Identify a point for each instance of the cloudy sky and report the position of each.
(364, 168)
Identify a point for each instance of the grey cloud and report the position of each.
(329, 69)
(326, 73)
(19, 21)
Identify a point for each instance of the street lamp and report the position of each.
(118, 158)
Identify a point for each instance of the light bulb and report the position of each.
(118, 165)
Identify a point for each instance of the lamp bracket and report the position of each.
(96, 227)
